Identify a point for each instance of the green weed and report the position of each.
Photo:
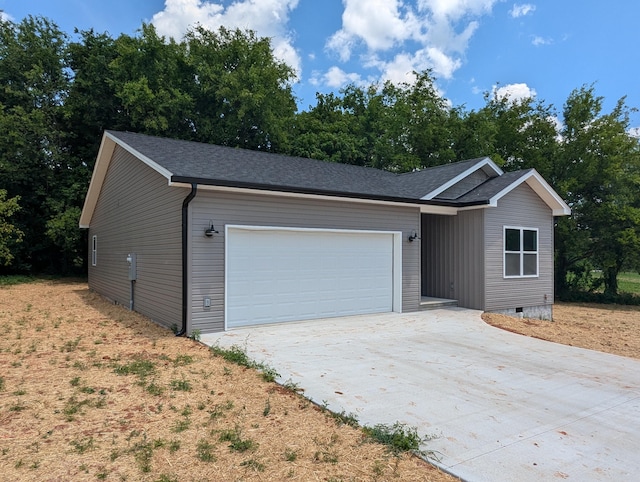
(84, 445)
(237, 443)
(70, 345)
(290, 455)
(204, 451)
(140, 367)
(253, 464)
(399, 438)
(180, 385)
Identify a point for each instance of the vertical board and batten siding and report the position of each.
(137, 212)
(522, 207)
(222, 208)
(453, 257)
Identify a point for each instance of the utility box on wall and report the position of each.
(133, 268)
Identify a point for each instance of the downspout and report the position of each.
(185, 256)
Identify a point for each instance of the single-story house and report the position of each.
(204, 237)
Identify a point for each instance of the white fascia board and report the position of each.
(485, 164)
(103, 160)
(423, 207)
(107, 146)
(541, 188)
(153, 165)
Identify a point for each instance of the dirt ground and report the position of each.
(608, 328)
(91, 391)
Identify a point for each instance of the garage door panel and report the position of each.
(287, 275)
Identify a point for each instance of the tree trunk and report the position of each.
(611, 281)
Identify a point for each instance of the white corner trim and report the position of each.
(481, 164)
(541, 188)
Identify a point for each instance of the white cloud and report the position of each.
(5, 17)
(400, 37)
(635, 132)
(268, 18)
(336, 77)
(522, 10)
(537, 41)
(514, 92)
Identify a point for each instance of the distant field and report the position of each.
(629, 282)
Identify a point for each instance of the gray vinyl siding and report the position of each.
(465, 185)
(137, 212)
(453, 257)
(522, 207)
(207, 262)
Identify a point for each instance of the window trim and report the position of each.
(521, 252)
(94, 250)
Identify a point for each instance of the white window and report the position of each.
(94, 250)
(520, 252)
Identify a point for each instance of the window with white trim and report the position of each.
(520, 252)
(94, 250)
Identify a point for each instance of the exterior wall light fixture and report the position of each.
(210, 231)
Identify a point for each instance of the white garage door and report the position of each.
(278, 275)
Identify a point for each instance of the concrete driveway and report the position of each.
(505, 407)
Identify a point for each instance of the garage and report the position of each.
(276, 275)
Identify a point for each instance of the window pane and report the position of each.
(530, 239)
(530, 264)
(512, 264)
(512, 240)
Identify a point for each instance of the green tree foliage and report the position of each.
(398, 128)
(241, 93)
(34, 82)
(9, 234)
(57, 97)
(598, 170)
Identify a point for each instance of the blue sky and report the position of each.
(544, 48)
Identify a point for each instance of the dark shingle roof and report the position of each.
(419, 183)
(225, 166)
(488, 189)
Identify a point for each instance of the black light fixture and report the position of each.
(210, 231)
(412, 237)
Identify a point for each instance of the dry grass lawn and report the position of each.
(91, 391)
(608, 328)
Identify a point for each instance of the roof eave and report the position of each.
(105, 154)
(182, 180)
(483, 163)
(536, 182)
(107, 146)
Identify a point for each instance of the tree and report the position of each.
(242, 95)
(598, 169)
(35, 81)
(515, 133)
(151, 79)
(9, 234)
(398, 128)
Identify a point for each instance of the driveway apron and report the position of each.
(504, 407)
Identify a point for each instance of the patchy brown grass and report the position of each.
(91, 391)
(608, 328)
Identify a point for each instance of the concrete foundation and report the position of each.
(540, 312)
